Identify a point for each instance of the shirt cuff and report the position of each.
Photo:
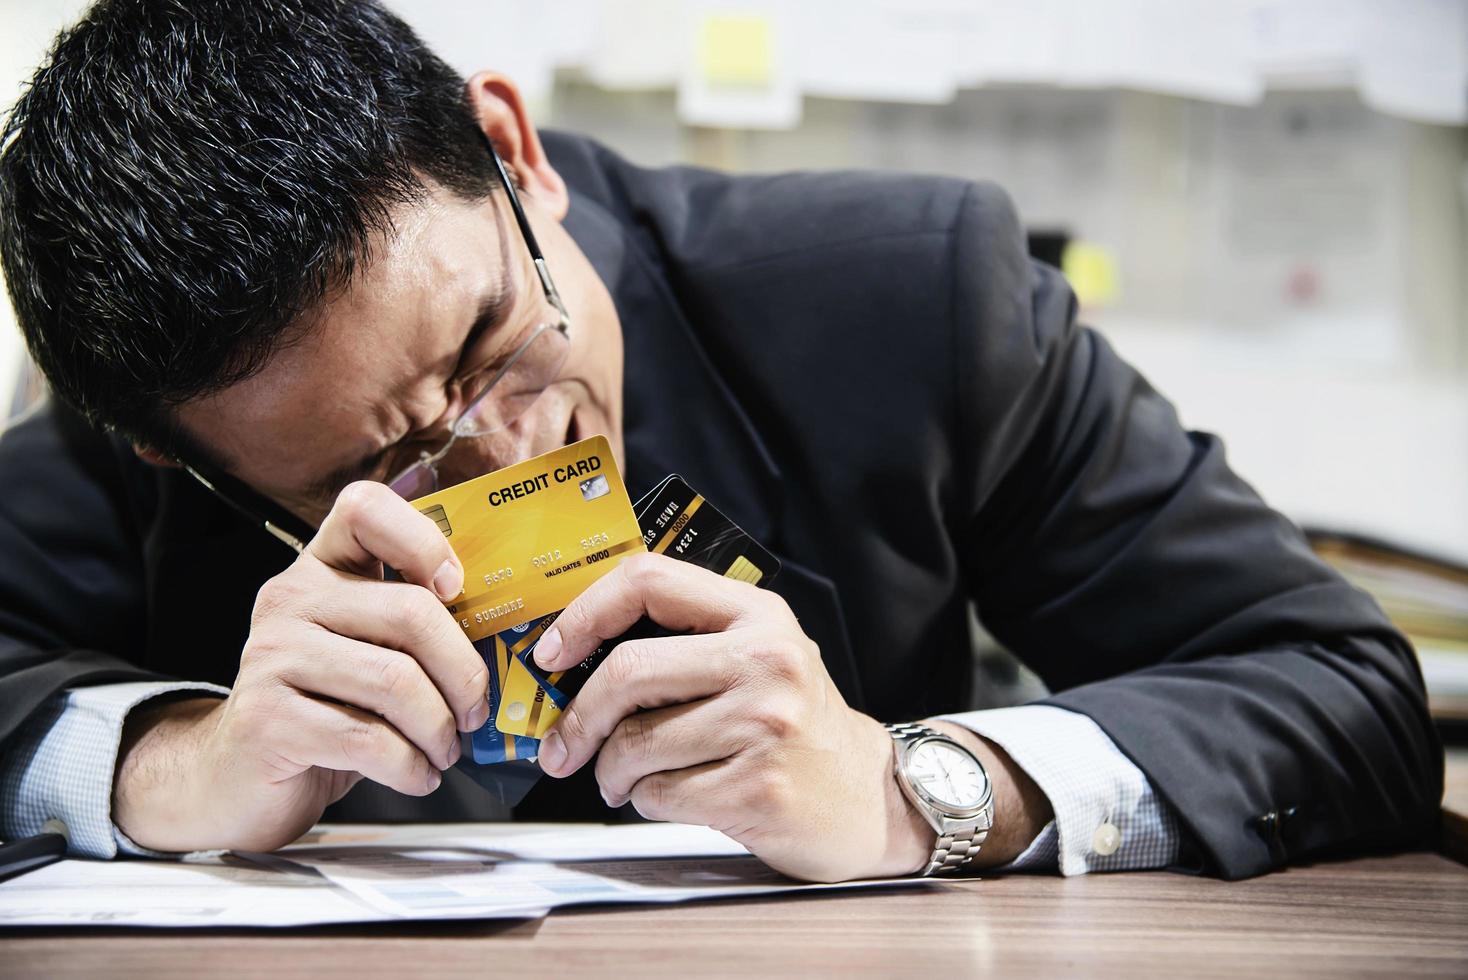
(1043, 854)
(1107, 817)
(60, 765)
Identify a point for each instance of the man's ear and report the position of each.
(500, 112)
(154, 458)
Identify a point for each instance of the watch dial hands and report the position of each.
(958, 786)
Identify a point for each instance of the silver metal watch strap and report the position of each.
(952, 851)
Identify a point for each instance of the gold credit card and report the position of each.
(533, 536)
(525, 708)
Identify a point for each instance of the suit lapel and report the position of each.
(682, 418)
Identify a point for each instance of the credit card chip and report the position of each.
(744, 570)
(439, 516)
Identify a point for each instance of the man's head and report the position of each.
(272, 232)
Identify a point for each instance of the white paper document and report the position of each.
(342, 874)
(173, 894)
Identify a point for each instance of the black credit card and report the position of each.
(676, 521)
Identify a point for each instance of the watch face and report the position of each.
(948, 775)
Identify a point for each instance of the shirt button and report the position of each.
(1106, 839)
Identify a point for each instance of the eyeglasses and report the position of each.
(516, 384)
(511, 389)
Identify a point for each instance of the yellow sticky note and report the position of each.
(1091, 271)
(736, 49)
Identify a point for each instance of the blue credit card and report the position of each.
(488, 745)
(523, 650)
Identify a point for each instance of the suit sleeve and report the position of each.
(1270, 703)
(72, 606)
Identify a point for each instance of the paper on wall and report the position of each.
(739, 72)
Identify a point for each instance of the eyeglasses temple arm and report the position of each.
(531, 243)
(294, 537)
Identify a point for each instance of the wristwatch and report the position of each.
(949, 787)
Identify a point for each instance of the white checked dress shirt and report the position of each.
(1107, 818)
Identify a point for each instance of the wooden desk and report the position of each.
(1387, 916)
(1384, 916)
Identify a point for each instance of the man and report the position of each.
(267, 242)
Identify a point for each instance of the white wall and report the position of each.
(26, 29)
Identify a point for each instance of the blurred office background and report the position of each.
(1263, 203)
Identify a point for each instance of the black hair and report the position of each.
(185, 180)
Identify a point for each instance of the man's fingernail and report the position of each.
(434, 779)
(448, 581)
(478, 716)
(548, 648)
(455, 751)
(552, 753)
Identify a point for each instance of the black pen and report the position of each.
(19, 856)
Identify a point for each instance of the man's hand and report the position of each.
(344, 675)
(738, 726)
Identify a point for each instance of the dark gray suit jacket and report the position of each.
(869, 374)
